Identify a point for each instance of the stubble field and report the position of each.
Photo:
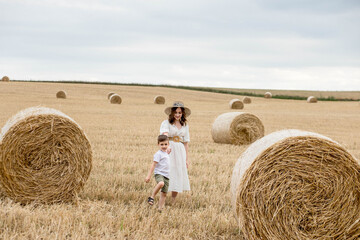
(113, 204)
(354, 95)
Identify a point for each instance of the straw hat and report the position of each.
(176, 105)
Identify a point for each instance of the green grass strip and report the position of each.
(203, 89)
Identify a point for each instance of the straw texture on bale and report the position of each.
(5, 79)
(268, 95)
(159, 100)
(61, 94)
(246, 100)
(236, 104)
(115, 99)
(110, 94)
(312, 99)
(293, 184)
(45, 157)
(237, 128)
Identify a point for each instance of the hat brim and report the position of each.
(187, 111)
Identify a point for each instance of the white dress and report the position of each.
(179, 179)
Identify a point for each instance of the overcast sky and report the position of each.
(263, 44)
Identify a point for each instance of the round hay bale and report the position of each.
(236, 104)
(293, 184)
(110, 94)
(115, 99)
(312, 99)
(61, 94)
(246, 100)
(268, 95)
(5, 79)
(237, 128)
(159, 100)
(45, 157)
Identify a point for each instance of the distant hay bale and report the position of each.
(312, 99)
(293, 184)
(246, 100)
(45, 157)
(5, 79)
(61, 94)
(236, 104)
(237, 128)
(268, 95)
(110, 94)
(159, 100)
(115, 99)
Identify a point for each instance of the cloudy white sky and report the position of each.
(264, 44)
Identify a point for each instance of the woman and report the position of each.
(177, 129)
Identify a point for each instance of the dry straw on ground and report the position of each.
(61, 94)
(115, 99)
(268, 95)
(45, 157)
(237, 128)
(246, 100)
(293, 184)
(312, 99)
(159, 99)
(5, 79)
(110, 94)
(236, 104)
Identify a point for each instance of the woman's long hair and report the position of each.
(182, 119)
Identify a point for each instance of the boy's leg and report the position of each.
(173, 197)
(157, 189)
(162, 200)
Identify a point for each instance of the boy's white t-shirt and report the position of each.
(163, 163)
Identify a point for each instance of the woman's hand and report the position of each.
(168, 150)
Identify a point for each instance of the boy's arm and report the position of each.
(151, 170)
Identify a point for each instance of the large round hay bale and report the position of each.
(312, 99)
(61, 94)
(5, 79)
(159, 100)
(246, 100)
(115, 99)
(236, 104)
(268, 95)
(237, 128)
(45, 157)
(293, 184)
(110, 94)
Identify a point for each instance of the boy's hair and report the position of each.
(162, 138)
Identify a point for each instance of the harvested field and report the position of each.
(123, 139)
(319, 94)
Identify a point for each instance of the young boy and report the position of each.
(161, 168)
